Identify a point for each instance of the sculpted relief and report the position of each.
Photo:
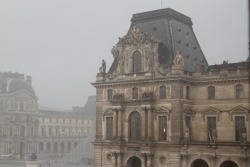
(134, 41)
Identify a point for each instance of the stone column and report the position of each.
(184, 161)
(150, 123)
(149, 160)
(143, 157)
(113, 159)
(119, 123)
(114, 124)
(119, 159)
(144, 119)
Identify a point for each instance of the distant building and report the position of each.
(161, 104)
(25, 129)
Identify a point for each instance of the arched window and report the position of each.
(110, 94)
(135, 92)
(211, 92)
(162, 92)
(136, 61)
(135, 126)
(239, 91)
(187, 92)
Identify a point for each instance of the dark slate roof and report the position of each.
(15, 85)
(230, 66)
(90, 106)
(175, 32)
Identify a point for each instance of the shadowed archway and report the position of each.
(199, 163)
(228, 164)
(134, 162)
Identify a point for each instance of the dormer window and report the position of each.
(136, 61)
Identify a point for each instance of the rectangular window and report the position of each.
(211, 92)
(239, 91)
(10, 131)
(239, 127)
(162, 128)
(109, 128)
(211, 128)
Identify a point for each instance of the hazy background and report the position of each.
(61, 43)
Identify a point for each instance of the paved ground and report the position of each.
(12, 163)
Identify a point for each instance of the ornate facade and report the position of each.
(25, 129)
(161, 104)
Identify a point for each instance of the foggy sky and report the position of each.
(61, 43)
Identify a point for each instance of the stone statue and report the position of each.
(102, 69)
(178, 61)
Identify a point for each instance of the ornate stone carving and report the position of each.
(186, 134)
(162, 70)
(135, 37)
(102, 69)
(115, 51)
(178, 62)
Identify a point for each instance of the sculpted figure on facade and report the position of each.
(178, 62)
(134, 37)
(102, 69)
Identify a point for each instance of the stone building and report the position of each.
(25, 129)
(161, 104)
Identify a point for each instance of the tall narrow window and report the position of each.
(109, 128)
(136, 61)
(11, 131)
(22, 131)
(187, 92)
(239, 127)
(162, 128)
(135, 126)
(162, 92)
(211, 128)
(239, 91)
(211, 92)
(110, 94)
(135, 93)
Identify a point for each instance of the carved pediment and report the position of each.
(135, 37)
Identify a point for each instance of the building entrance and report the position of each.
(134, 162)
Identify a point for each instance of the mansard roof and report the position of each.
(174, 31)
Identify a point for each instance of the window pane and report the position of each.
(239, 91)
(110, 94)
(135, 93)
(162, 92)
(211, 128)
(211, 92)
(162, 128)
(239, 127)
(136, 61)
(109, 128)
(135, 126)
